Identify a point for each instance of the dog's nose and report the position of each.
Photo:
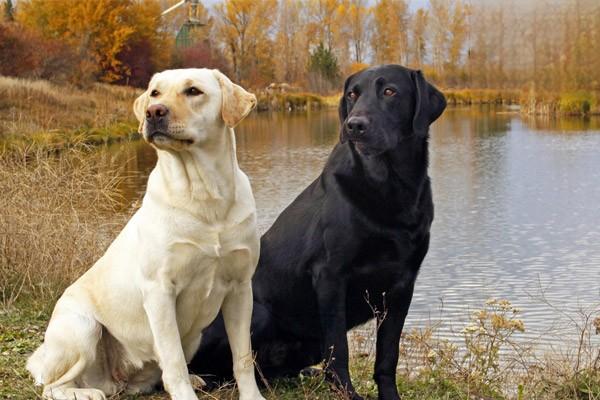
(156, 112)
(357, 125)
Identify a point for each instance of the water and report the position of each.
(517, 209)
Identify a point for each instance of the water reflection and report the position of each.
(516, 207)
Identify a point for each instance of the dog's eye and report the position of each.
(352, 95)
(192, 91)
(389, 92)
(154, 93)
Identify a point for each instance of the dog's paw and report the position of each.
(257, 397)
(311, 372)
(197, 382)
(73, 394)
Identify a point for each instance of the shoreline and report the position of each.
(43, 115)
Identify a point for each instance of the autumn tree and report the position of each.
(291, 43)
(148, 49)
(322, 25)
(358, 17)
(99, 31)
(440, 21)
(389, 38)
(324, 69)
(419, 41)
(244, 28)
(26, 54)
(9, 11)
(457, 39)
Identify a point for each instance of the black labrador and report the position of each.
(350, 246)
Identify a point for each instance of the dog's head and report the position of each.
(383, 104)
(183, 107)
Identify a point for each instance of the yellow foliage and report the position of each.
(357, 66)
(99, 30)
(244, 28)
(389, 36)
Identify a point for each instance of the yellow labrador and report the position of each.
(188, 252)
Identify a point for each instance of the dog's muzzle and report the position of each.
(356, 127)
(157, 122)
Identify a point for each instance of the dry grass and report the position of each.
(44, 113)
(464, 97)
(56, 219)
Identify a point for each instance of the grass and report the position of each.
(462, 97)
(56, 218)
(576, 103)
(429, 368)
(49, 115)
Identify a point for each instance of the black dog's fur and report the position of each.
(351, 243)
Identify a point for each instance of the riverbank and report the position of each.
(43, 114)
(549, 104)
(50, 116)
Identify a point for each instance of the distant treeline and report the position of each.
(540, 45)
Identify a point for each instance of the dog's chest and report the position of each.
(205, 284)
(205, 263)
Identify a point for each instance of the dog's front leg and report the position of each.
(388, 342)
(331, 297)
(237, 315)
(159, 304)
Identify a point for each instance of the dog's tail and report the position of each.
(70, 345)
(47, 366)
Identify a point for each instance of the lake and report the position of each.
(517, 206)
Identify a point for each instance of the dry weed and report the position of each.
(42, 112)
(56, 219)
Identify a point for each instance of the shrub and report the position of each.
(576, 103)
(26, 54)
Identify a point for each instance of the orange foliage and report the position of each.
(244, 27)
(100, 30)
(357, 66)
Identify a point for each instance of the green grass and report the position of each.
(21, 331)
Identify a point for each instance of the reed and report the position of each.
(56, 218)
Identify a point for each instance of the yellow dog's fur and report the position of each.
(188, 252)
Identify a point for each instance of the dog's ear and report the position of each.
(237, 102)
(140, 105)
(429, 103)
(343, 110)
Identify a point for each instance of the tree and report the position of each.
(418, 37)
(244, 27)
(148, 48)
(100, 31)
(25, 54)
(322, 22)
(358, 17)
(291, 44)
(458, 35)
(440, 15)
(9, 11)
(324, 69)
(389, 38)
